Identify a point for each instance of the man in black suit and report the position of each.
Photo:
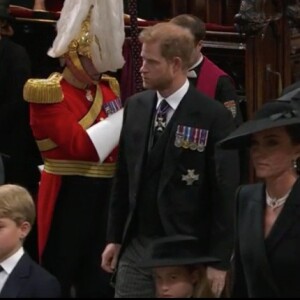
(170, 177)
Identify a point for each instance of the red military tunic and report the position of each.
(65, 145)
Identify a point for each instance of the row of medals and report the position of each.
(180, 142)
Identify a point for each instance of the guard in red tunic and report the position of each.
(76, 119)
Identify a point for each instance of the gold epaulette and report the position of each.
(44, 91)
(113, 83)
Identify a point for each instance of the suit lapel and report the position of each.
(157, 154)
(144, 112)
(17, 279)
(288, 216)
(251, 217)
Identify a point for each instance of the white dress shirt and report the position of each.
(174, 99)
(191, 73)
(8, 265)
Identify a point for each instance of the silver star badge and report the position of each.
(190, 177)
(160, 124)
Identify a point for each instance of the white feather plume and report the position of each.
(107, 24)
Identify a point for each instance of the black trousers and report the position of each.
(78, 237)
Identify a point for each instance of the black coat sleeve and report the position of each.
(226, 94)
(224, 176)
(119, 200)
(239, 287)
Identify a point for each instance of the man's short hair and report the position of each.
(193, 23)
(174, 40)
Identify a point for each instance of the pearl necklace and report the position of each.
(276, 202)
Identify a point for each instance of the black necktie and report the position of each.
(160, 122)
(1, 269)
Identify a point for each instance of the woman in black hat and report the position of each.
(178, 263)
(266, 259)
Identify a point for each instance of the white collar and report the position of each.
(174, 99)
(9, 264)
(197, 63)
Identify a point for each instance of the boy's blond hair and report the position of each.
(16, 204)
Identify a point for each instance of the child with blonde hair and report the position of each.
(20, 276)
(178, 267)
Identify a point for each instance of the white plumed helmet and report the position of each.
(92, 28)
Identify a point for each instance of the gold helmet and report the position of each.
(91, 28)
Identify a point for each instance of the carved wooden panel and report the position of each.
(198, 8)
(230, 8)
(212, 11)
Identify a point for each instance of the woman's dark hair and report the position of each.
(294, 133)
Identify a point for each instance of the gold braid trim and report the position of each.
(45, 144)
(87, 121)
(113, 84)
(44, 91)
(81, 168)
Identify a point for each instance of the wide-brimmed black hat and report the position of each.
(272, 114)
(175, 251)
(4, 10)
(292, 95)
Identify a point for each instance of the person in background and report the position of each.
(178, 267)
(76, 119)
(211, 80)
(20, 276)
(19, 153)
(17, 143)
(169, 179)
(204, 74)
(266, 255)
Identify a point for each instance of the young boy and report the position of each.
(178, 268)
(20, 276)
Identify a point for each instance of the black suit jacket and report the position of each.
(266, 267)
(29, 280)
(204, 209)
(16, 138)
